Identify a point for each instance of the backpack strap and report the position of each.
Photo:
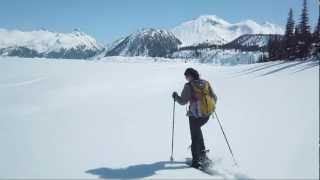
(193, 93)
(206, 83)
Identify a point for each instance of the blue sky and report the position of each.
(108, 20)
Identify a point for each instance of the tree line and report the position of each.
(299, 42)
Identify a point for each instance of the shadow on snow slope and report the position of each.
(279, 66)
(282, 68)
(135, 171)
(147, 170)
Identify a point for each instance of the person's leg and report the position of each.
(195, 131)
(202, 121)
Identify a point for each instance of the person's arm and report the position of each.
(185, 95)
(213, 95)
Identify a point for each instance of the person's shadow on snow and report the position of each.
(136, 171)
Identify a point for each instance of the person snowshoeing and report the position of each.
(202, 100)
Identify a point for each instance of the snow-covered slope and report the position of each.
(246, 49)
(212, 29)
(99, 119)
(114, 43)
(146, 42)
(219, 56)
(43, 43)
(250, 40)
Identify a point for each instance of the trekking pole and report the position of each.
(174, 107)
(225, 137)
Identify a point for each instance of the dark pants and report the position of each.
(197, 145)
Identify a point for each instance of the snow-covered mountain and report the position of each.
(246, 49)
(219, 56)
(43, 43)
(202, 31)
(251, 40)
(259, 40)
(212, 29)
(146, 42)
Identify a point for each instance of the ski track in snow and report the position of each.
(22, 83)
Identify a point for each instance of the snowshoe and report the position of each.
(204, 160)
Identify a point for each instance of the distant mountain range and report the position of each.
(43, 43)
(247, 42)
(214, 30)
(204, 31)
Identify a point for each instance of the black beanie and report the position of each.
(192, 72)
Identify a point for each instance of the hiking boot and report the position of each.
(204, 159)
(195, 164)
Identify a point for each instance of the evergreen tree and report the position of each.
(276, 48)
(289, 41)
(304, 41)
(271, 49)
(304, 23)
(290, 25)
(297, 38)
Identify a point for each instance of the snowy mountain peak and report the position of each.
(215, 30)
(151, 32)
(44, 42)
(211, 19)
(43, 29)
(146, 42)
(79, 33)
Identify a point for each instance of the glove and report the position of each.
(175, 95)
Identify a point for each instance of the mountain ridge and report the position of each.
(215, 30)
(146, 42)
(44, 43)
(203, 31)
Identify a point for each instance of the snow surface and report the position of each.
(110, 119)
(44, 41)
(212, 29)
